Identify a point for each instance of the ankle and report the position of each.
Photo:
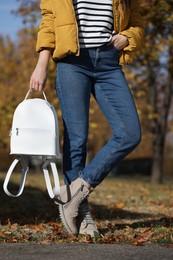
(86, 184)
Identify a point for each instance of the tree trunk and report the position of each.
(162, 101)
(157, 163)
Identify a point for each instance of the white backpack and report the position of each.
(34, 132)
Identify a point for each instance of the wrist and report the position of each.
(44, 58)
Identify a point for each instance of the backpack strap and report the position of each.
(56, 190)
(24, 163)
(54, 193)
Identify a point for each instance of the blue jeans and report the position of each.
(95, 71)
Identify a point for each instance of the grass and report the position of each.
(128, 210)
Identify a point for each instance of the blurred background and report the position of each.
(150, 79)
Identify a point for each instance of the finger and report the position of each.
(41, 86)
(31, 84)
(38, 87)
(34, 86)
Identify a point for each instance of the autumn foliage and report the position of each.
(150, 79)
(126, 211)
(129, 211)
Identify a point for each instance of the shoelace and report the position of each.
(85, 214)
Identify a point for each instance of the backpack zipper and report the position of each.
(17, 131)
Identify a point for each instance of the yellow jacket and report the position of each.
(58, 29)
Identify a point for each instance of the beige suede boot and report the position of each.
(70, 210)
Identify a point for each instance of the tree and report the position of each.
(156, 62)
(151, 77)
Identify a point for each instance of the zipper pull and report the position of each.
(17, 131)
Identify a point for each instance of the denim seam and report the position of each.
(60, 92)
(114, 150)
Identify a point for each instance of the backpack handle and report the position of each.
(53, 192)
(24, 163)
(29, 91)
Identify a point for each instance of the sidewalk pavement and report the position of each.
(79, 251)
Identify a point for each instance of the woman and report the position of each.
(89, 40)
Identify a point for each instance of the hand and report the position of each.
(119, 41)
(38, 79)
(39, 76)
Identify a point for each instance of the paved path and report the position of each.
(76, 251)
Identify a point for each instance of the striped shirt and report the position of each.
(95, 22)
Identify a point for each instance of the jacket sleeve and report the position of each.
(46, 34)
(135, 28)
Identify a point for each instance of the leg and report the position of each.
(73, 91)
(114, 97)
(73, 87)
(115, 100)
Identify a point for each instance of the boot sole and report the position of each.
(63, 220)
